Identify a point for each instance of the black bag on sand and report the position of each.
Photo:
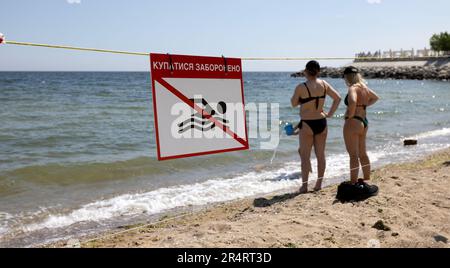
(345, 192)
(361, 191)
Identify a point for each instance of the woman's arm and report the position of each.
(336, 99)
(295, 100)
(352, 100)
(373, 97)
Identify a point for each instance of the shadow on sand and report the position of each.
(360, 200)
(264, 202)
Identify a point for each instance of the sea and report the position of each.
(78, 150)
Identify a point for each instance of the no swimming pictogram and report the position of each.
(198, 105)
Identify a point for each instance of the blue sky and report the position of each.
(235, 28)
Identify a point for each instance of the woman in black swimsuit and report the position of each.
(359, 97)
(313, 127)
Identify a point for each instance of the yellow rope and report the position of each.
(147, 53)
(298, 59)
(76, 48)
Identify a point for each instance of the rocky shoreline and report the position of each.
(441, 73)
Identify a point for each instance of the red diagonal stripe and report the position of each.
(194, 106)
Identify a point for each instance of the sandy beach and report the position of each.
(412, 210)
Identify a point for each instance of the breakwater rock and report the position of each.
(391, 72)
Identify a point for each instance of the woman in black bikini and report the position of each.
(359, 97)
(313, 127)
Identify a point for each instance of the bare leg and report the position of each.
(363, 157)
(319, 148)
(352, 130)
(306, 143)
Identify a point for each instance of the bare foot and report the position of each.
(303, 190)
(318, 185)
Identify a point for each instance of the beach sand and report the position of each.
(413, 204)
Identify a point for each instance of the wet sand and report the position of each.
(412, 210)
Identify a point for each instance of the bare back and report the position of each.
(358, 98)
(312, 110)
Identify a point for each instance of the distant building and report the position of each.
(400, 54)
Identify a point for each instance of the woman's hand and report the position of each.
(336, 99)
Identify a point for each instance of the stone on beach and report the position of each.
(379, 225)
(410, 142)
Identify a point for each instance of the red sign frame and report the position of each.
(187, 66)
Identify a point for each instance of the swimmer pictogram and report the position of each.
(199, 109)
(201, 121)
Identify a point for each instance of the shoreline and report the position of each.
(411, 217)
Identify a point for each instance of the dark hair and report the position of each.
(313, 68)
(351, 70)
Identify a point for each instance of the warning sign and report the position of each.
(198, 105)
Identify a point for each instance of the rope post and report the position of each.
(170, 63)
(226, 64)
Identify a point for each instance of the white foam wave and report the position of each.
(4, 218)
(432, 134)
(199, 194)
(222, 190)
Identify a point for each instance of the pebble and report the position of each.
(379, 225)
(410, 142)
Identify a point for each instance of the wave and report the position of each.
(118, 169)
(432, 134)
(4, 219)
(221, 189)
(211, 191)
(200, 194)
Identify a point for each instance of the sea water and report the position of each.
(77, 149)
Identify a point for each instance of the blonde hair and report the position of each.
(355, 79)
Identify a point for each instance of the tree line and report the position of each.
(441, 42)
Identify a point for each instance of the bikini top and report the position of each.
(346, 103)
(310, 98)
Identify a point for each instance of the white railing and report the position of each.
(400, 54)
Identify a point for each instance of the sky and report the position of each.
(234, 28)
